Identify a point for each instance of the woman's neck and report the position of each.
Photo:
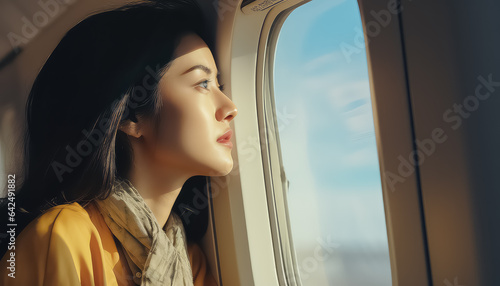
(159, 192)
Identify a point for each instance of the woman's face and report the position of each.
(194, 115)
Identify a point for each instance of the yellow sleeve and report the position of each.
(201, 273)
(57, 248)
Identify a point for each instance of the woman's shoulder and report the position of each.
(71, 218)
(62, 238)
(62, 226)
(65, 210)
(66, 225)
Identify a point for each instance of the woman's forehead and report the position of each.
(193, 54)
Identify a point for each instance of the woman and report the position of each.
(124, 111)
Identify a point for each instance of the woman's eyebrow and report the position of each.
(206, 69)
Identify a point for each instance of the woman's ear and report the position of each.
(130, 128)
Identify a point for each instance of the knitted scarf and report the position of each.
(155, 256)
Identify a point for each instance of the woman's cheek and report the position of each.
(198, 130)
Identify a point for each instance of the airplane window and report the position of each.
(328, 147)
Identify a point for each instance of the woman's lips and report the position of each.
(225, 139)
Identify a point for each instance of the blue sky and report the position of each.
(333, 89)
(329, 148)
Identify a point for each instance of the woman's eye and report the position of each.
(204, 84)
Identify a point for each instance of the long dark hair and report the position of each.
(104, 71)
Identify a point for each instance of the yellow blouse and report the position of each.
(72, 245)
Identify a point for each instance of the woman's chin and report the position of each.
(223, 169)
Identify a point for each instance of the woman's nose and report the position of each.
(227, 109)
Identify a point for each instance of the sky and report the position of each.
(328, 146)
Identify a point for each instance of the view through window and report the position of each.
(328, 147)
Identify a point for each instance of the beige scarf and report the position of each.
(155, 256)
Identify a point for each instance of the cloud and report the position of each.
(361, 158)
(323, 60)
(351, 100)
(343, 94)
